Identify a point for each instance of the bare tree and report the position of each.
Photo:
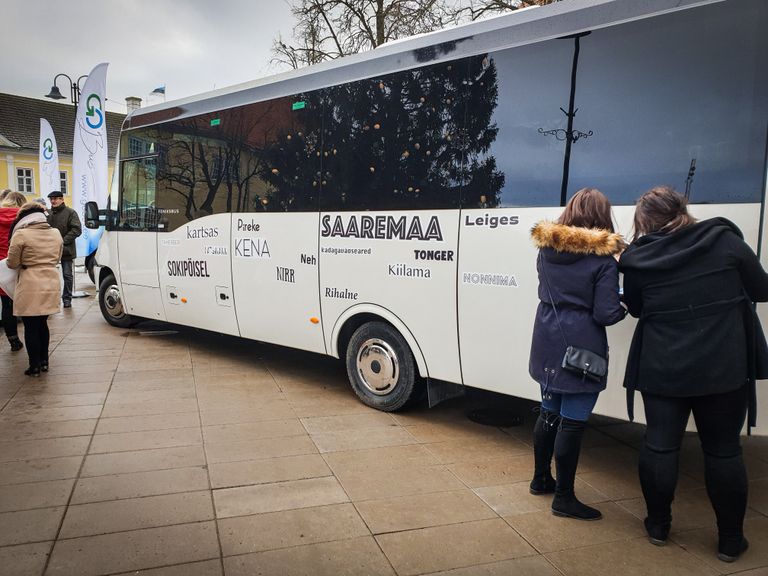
(328, 29)
(476, 9)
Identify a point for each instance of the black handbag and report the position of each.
(578, 360)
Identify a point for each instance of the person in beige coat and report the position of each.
(35, 249)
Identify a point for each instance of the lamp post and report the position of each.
(74, 96)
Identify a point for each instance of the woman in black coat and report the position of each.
(696, 349)
(578, 274)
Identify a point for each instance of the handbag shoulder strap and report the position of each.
(552, 300)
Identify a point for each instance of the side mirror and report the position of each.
(91, 214)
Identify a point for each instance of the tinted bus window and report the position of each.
(394, 142)
(664, 92)
(138, 210)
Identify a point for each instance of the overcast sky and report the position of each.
(191, 46)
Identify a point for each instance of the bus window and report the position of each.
(394, 142)
(137, 198)
(668, 93)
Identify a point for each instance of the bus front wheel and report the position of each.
(111, 304)
(380, 367)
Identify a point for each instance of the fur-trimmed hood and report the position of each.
(575, 240)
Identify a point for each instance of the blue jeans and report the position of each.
(571, 406)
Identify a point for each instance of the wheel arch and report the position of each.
(354, 317)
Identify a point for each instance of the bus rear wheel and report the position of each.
(111, 304)
(381, 367)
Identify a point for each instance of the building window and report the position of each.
(25, 180)
(63, 182)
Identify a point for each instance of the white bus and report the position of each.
(377, 208)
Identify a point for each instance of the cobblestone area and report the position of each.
(194, 454)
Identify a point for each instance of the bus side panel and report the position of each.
(412, 278)
(497, 286)
(274, 272)
(137, 257)
(196, 275)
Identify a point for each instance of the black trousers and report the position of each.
(719, 420)
(9, 320)
(36, 338)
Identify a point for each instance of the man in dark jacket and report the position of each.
(67, 222)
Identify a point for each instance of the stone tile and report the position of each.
(205, 568)
(51, 414)
(88, 385)
(258, 449)
(149, 407)
(549, 533)
(137, 513)
(529, 566)
(244, 472)
(422, 511)
(453, 546)
(35, 495)
(38, 430)
(309, 407)
(33, 401)
(245, 534)
(635, 557)
(143, 460)
(341, 558)
(29, 525)
(347, 422)
(140, 397)
(143, 423)
(39, 470)
(513, 499)
(181, 383)
(368, 483)
(279, 410)
(389, 457)
(44, 448)
(467, 450)
(134, 550)
(253, 431)
(758, 496)
(279, 496)
(493, 472)
(136, 377)
(616, 483)
(430, 432)
(26, 559)
(343, 440)
(138, 484)
(702, 543)
(146, 440)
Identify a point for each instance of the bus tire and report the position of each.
(111, 304)
(381, 367)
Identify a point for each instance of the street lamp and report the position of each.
(74, 95)
(74, 90)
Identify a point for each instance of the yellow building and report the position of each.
(20, 138)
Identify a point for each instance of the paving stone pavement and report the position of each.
(194, 454)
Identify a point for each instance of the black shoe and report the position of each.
(658, 533)
(543, 485)
(570, 507)
(67, 304)
(731, 552)
(32, 371)
(44, 366)
(16, 344)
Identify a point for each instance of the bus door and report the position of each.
(137, 238)
(275, 274)
(196, 274)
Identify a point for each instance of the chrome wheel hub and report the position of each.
(378, 366)
(112, 302)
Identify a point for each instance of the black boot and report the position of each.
(16, 344)
(544, 434)
(567, 448)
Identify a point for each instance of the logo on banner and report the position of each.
(48, 149)
(92, 110)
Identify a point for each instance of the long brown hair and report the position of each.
(588, 208)
(661, 209)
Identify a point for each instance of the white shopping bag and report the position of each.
(8, 278)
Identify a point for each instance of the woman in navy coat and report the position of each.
(579, 274)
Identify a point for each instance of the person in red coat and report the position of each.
(9, 207)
